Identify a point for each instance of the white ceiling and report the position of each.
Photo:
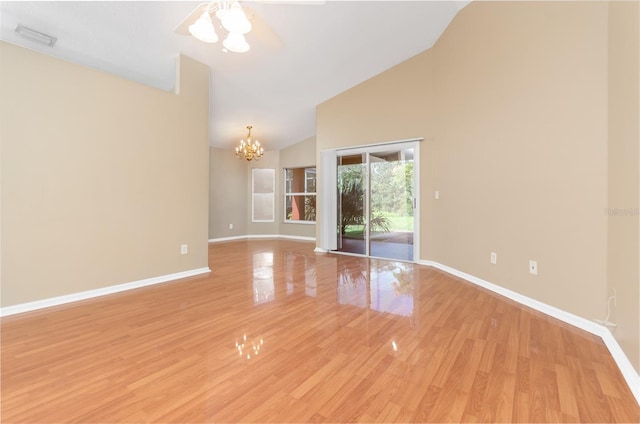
(301, 54)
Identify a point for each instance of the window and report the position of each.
(263, 194)
(300, 195)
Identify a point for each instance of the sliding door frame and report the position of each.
(329, 211)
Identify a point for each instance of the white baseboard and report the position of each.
(215, 240)
(262, 236)
(301, 238)
(629, 373)
(74, 297)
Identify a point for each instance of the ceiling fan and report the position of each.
(234, 19)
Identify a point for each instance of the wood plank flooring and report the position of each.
(277, 333)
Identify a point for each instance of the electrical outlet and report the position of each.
(184, 249)
(231, 226)
(533, 267)
(494, 258)
(436, 194)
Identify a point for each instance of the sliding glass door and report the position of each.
(376, 202)
(391, 204)
(352, 203)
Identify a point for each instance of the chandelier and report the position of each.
(249, 149)
(232, 18)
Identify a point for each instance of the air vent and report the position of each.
(37, 36)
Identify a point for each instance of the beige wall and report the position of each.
(624, 176)
(102, 178)
(227, 194)
(521, 146)
(370, 112)
(512, 103)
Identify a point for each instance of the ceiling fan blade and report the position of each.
(261, 33)
(183, 27)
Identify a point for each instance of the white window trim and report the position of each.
(272, 195)
(285, 194)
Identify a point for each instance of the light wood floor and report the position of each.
(277, 333)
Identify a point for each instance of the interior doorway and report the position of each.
(376, 201)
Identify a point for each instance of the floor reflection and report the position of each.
(297, 264)
(392, 289)
(353, 283)
(383, 287)
(263, 284)
(249, 347)
(377, 284)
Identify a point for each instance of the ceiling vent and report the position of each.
(33, 35)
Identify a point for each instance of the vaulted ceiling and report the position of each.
(302, 53)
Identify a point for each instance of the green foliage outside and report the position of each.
(391, 197)
(400, 223)
(392, 188)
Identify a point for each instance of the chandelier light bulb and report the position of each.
(203, 29)
(236, 43)
(234, 20)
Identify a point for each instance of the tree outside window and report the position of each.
(300, 194)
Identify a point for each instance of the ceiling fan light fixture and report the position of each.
(230, 18)
(234, 20)
(203, 29)
(235, 42)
